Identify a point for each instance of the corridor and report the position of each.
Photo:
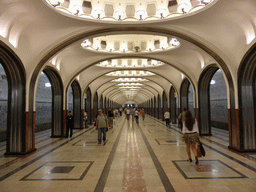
(136, 157)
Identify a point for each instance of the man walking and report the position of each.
(70, 124)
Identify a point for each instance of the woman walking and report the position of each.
(190, 135)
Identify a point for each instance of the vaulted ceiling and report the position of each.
(156, 50)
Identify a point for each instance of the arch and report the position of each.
(204, 100)
(184, 94)
(105, 105)
(173, 107)
(57, 102)
(247, 102)
(76, 104)
(101, 102)
(88, 105)
(95, 105)
(155, 107)
(18, 140)
(204, 115)
(165, 104)
(159, 111)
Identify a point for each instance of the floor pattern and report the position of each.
(147, 156)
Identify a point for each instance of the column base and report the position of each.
(18, 153)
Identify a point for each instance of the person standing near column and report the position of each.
(167, 117)
(70, 124)
(101, 126)
(143, 114)
(111, 117)
(85, 120)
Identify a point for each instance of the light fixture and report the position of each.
(183, 8)
(212, 82)
(86, 43)
(98, 13)
(141, 14)
(47, 84)
(56, 3)
(205, 2)
(119, 14)
(161, 12)
(174, 42)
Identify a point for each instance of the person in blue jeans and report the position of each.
(101, 126)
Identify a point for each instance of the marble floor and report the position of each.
(136, 157)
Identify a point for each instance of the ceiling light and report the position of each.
(47, 84)
(174, 42)
(86, 43)
(161, 12)
(212, 82)
(98, 12)
(119, 14)
(183, 8)
(141, 14)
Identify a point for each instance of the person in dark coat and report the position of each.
(70, 124)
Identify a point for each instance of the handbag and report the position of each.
(199, 154)
(200, 150)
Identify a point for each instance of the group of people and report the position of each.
(134, 113)
(190, 131)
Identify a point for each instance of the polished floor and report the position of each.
(136, 157)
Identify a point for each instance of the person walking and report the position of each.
(111, 117)
(143, 114)
(85, 120)
(70, 125)
(120, 111)
(101, 126)
(190, 135)
(136, 115)
(167, 117)
(128, 113)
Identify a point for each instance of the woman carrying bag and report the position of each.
(190, 135)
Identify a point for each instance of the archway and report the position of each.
(105, 105)
(155, 109)
(191, 99)
(159, 107)
(184, 94)
(3, 103)
(76, 90)
(95, 105)
(43, 106)
(17, 138)
(101, 103)
(247, 101)
(57, 102)
(173, 106)
(165, 104)
(88, 105)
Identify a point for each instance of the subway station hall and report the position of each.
(117, 95)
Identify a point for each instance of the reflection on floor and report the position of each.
(136, 157)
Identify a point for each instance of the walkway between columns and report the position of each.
(145, 157)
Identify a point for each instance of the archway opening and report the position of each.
(3, 107)
(165, 104)
(95, 105)
(43, 106)
(88, 105)
(191, 99)
(218, 106)
(173, 106)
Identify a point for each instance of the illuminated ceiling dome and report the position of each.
(127, 10)
(130, 43)
(130, 63)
